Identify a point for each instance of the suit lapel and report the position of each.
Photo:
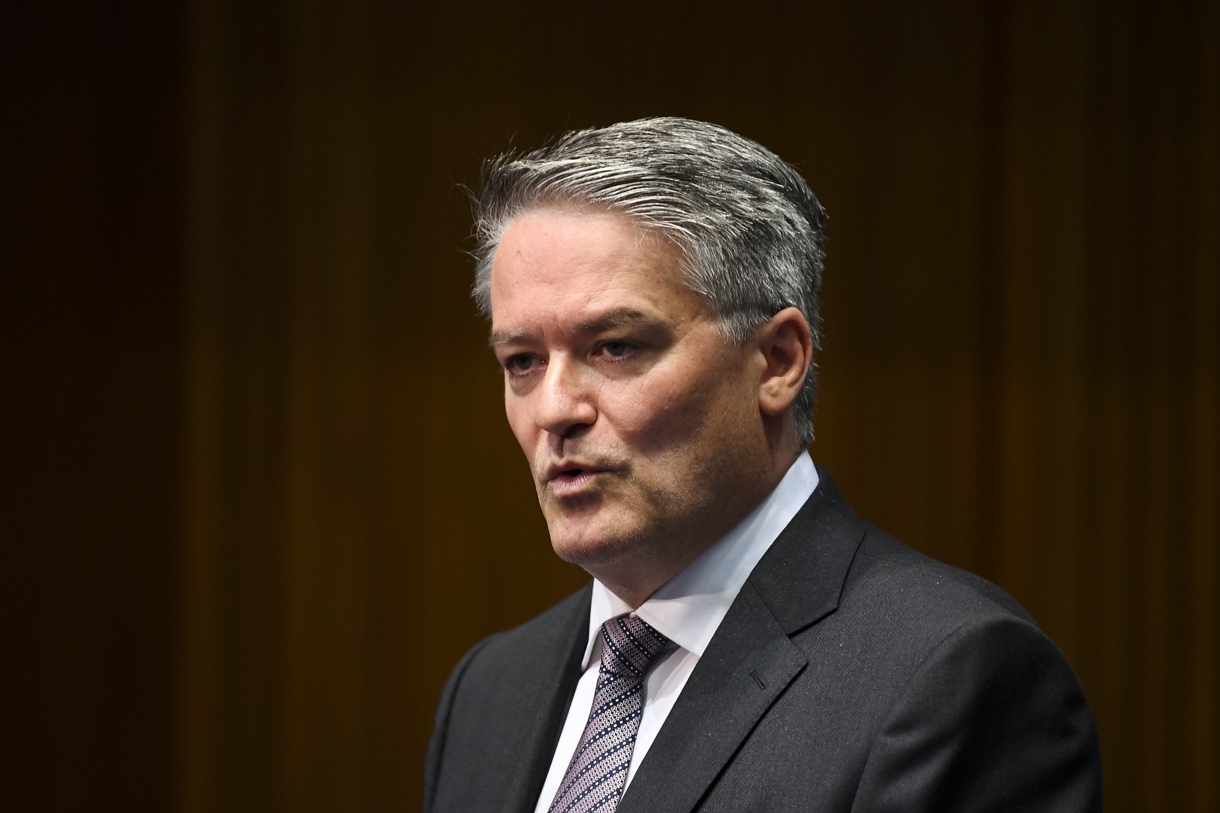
(751, 659)
(747, 665)
(801, 577)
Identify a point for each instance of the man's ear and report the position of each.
(786, 345)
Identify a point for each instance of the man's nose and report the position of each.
(566, 399)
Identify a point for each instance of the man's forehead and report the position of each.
(583, 272)
(569, 211)
(591, 325)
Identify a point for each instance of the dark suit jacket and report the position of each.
(850, 674)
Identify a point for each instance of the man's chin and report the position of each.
(592, 550)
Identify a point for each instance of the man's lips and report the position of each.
(571, 477)
(567, 470)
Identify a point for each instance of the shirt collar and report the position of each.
(689, 608)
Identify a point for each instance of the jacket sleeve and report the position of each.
(992, 720)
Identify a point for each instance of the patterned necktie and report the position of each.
(598, 770)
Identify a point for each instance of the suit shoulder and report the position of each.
(887, 570)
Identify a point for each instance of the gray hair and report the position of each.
(750, 231)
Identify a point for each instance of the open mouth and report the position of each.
(571, 480)
(572, 476)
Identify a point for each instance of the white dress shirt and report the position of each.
(687, 611)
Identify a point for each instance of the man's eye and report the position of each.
(520, 364)
(618, 350)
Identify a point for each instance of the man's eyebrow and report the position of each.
(503, 337)
(607, 321)
(613, 319)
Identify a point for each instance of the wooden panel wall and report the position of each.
(91, 338)
(294, 453)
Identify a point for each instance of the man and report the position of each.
(747, 643)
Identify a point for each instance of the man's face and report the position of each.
(640, 422)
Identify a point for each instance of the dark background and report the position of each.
(258, 493)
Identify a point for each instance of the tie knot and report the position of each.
(630, 645)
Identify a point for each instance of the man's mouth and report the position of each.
(566, 479)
